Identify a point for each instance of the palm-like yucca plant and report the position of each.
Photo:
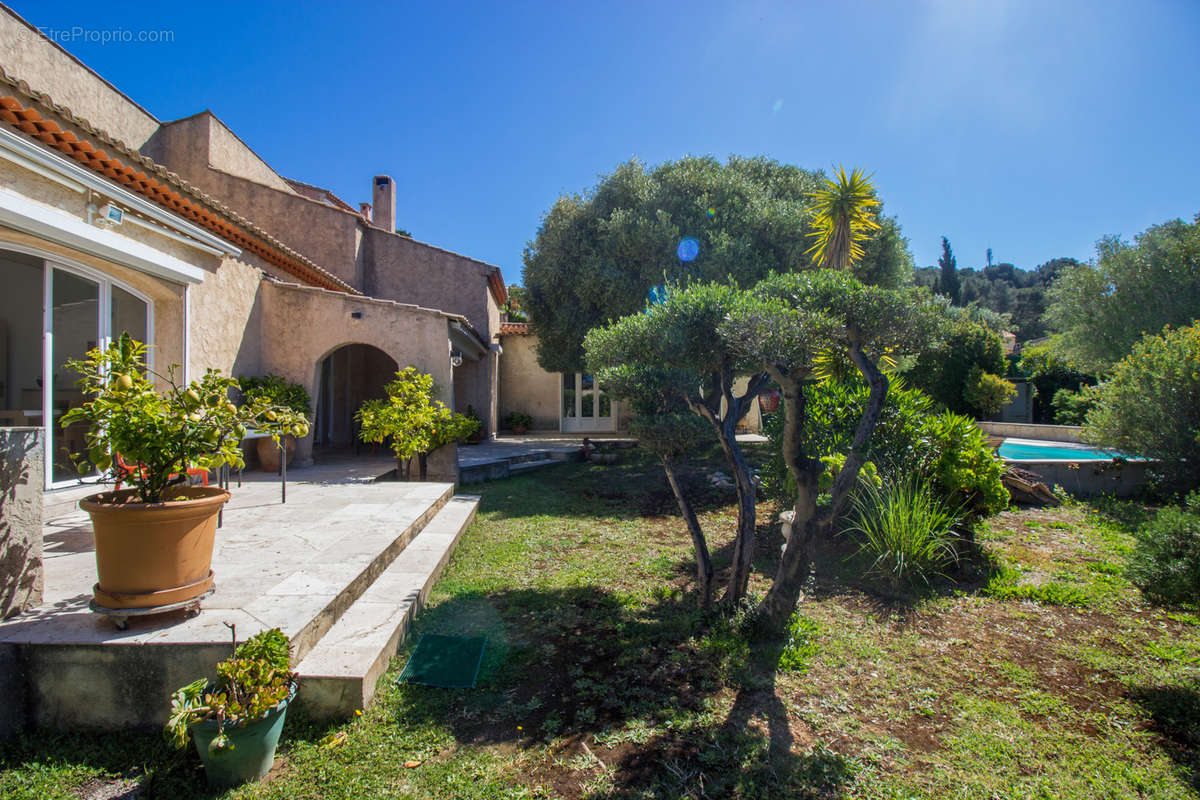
(844, 216)
(907, 530)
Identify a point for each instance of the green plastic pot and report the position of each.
(253, 750)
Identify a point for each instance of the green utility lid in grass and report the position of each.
(449, 662)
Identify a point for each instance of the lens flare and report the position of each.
(688, 249)
(778, 106)
(712, 212)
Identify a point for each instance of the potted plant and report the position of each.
(412, 420)
(236, 720)
(154, 540)
(518, 422)
(279, 392)
(476, 435)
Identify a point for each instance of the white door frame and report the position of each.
(103, 339)
(580, 423)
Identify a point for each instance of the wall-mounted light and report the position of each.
(455, 359)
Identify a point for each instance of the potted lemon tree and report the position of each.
(412, 421)
(236, 720)
(278, 392)
(154, 539)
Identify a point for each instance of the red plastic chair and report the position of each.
(125, 470)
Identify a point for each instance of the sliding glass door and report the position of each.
(50, 314)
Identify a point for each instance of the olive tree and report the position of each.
(680, 334)
(597, 254)
(783, 326)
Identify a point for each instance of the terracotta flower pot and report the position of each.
(153, 554)
(268, 452)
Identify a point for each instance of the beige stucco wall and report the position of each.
(228, 153)
(301, 326)
(224, 316)
(27, 55)
(407, 271)
(525, 386)
(21, 471)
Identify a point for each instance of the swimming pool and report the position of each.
(1034, 450)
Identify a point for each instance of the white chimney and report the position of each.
(384, 199)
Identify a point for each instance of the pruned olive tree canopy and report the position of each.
(597, 254)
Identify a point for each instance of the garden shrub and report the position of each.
(1166, 561)
(278, 390)
(945, 372)
(906, 530)
(1049, 375)
(1071, 408)
(946, 449)
(987, 393)
(1150, 407)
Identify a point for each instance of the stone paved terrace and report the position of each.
(298, 565)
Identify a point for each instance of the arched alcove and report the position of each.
(346, 378)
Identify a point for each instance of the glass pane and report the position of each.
(128, 315)
(75, 320)
(605, 406)
(587, 405)
(21, 341)
(588, 382)
(568, 398)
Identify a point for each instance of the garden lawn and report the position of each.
(1049, 678)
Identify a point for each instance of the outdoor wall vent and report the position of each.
(110, 214)
(355, 315)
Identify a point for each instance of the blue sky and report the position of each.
(1031, 127)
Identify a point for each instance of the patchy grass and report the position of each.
(1054, 679)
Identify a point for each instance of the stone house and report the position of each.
(112, 220)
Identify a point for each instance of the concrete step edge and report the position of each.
(309, 634)
(339, 673)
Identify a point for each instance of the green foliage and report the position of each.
(987, 393)
(843, 210)
(597, 255)
(1150, 406)
(1166, 563)
(906, 530)
(1018, 294)
(960, 460)
(671, 435)
(514, 306)
(1101, 311)
(164, 433)
(948, 283)
(945, 371)
(801, 645)
(411, 419)
(278, 391)
(256, 679)
(1049, 374)
(518, 419)
(946, 449)
(1071, 408)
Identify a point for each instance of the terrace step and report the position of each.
(322, 591)
(526, 466)
(339, 673)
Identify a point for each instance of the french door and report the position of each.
(585, 406)
(82, 310)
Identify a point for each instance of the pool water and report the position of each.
(1033, 450)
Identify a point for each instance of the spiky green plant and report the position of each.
(906, 530)
(844, 216)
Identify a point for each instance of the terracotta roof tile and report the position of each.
(515, 329)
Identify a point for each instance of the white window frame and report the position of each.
(103, 339)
